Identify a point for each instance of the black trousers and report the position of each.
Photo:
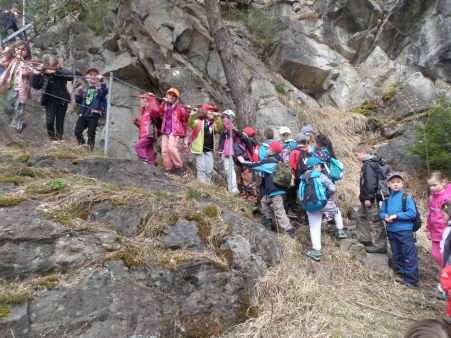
(82, 124)
(55, 112)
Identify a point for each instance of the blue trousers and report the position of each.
(405, 256)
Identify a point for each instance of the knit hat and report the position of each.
(300, 137)
(284, 130)
(90, 69)
(249, 131)
(209, 107)
(276, 146)
(307, 129)
(312, 161)
(394, 174)
(229, 113)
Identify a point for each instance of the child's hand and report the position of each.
(387, 219)
(240, 158)
(367, 203)
(50, 71)
(79, 90)
(99, 78)
(150, 94)
(135, 119)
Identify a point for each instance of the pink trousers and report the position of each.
(144, 149)
(170, 151)
(435, 253)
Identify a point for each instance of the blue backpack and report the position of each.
(311, 192)
(335, 168)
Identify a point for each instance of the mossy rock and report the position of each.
(6, 201)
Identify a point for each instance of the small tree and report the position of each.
(434, 139)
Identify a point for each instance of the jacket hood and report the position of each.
(276, 157)
(373, 158)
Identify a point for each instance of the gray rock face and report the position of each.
(30, 246)
(183, 233)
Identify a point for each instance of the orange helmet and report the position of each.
(174, 91)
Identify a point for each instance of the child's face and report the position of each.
(284, 136)
(270, 151)
(21, 52)
(171, 97)
(91, 77)
(308, 136)
(53, 67)
(435, 185)
(445, 215)
(395, 184)
(317, 167)
(361, 155)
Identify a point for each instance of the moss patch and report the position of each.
(13, 179)
(49, 282)
(211, 211)
(4, 312)
(245, 310)
(203, 227)
(14, 298)
(203, 325)
(10, 201)
(366, 108)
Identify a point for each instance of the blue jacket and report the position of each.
(393, 205)
(92, 100)
(266, 167)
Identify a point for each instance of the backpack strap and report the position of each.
(404, 202)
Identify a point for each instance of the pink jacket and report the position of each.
(148, 119)
(179, 118)
(226, 146)
(21, 79)
(435, 224)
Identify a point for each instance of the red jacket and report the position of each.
(179, 118)
(146, 123)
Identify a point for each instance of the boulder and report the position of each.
(183, 234)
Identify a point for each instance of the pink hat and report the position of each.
(209, 107)
(276, 146)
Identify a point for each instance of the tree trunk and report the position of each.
(239, 88)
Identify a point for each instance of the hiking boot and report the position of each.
(366, 243)
(373, 249)
(341, 234)
(292, 213)
(170, 172)
(253, 206)
(314, 254)
(399, 280)
(290, 233)
(409, 285)
(446, 320)
(267, 222)
(180, 171)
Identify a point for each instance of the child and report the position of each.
(147, 129)
(288, 144)
(55, 96)
(228, 118)
(244, 146)
(6, 58)
(310, 134)
(204, 125)
(445, 243)
(314, 171)
(269, 136)
(272, 194)
(368, 213)
(400, 230)
(17, 79)
(324, 151)
(173, 128)
(428, 328)
(300, 153)
(91, 106)
(435, 224)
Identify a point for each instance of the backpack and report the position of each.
(301, 168)
(286, 150)
(281, 175)
(417, 221)
(255, 150)
(311, 192)
(382, 192)
(335, 168)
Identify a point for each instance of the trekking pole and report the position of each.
(108, 115)
(230, 157)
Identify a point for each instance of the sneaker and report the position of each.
(292, 213)
(290, 233)
(180, 171)
(446, 320)
(409, 285)
(314, 254)
(399, 280)
(267, 222)
(373, 249)
(341, 234)
(235, 192)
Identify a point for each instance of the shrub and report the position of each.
(57, 184)
(434, 139)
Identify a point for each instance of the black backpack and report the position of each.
(301, 168)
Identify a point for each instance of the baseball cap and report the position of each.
(229, 112)
(394, 174)
(300, 137)
(276, 146)
(90, 69)
(307, 129)
(249, 131)
(284, 130)
(311, 161)
(209, 107)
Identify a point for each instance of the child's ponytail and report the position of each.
(446, 208)
(323, 141)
